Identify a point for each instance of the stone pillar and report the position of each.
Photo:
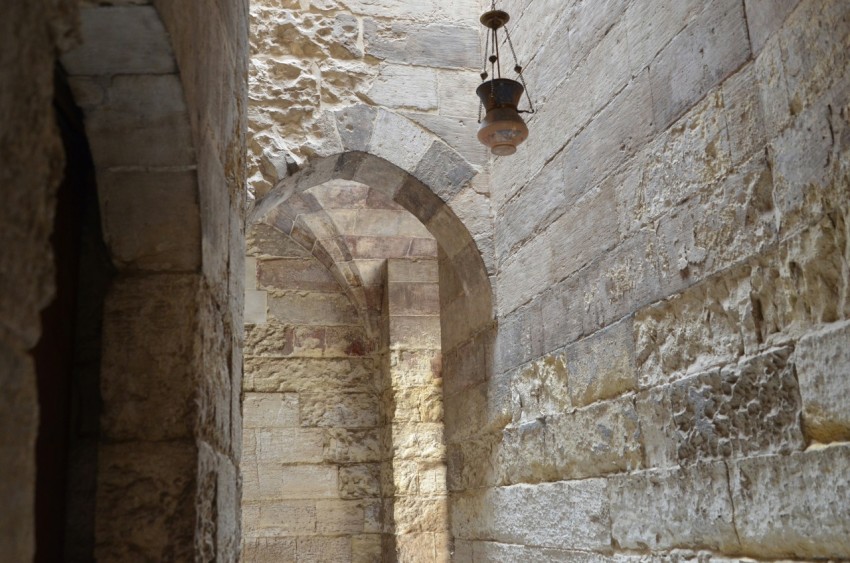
(414, 469)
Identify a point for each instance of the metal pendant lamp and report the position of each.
(502, 129)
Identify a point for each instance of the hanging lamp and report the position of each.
(502, 129)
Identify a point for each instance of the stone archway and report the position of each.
(419, 172)
(167, 486)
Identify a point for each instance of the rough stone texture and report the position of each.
(648, 512)
(568, 515)
(807, 489)
(674, 227)
(749, 408)
(168, 159)
(823, 364)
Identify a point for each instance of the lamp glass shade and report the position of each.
(502, 128)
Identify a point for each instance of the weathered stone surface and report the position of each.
(822, 359)
(146, 371)
(414, 332)
(651, 25)
(140, 110)
(365, 548)
(569, 515)
(359, 481)
(721, 226)
(290, 445)
(280, 518)
(339, 410)
(122, 40)
(270, 410)
(540, 388)
(324, 548)
(269, 550)
(339, 516)
(745, 409)
(765, 17)
(409, 87)
(153, 479)
(593, 441)
(602, 366)
(276, 375)
(353, 446)
(712, 45)
(294, 482)
(648, 512)
(169, 241)
(519, 337)
(295, 274)
(793, 506)
(748, 307)
(424, 45)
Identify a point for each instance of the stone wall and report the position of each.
(31, 163)
(668, 380)
(310, 58)
(162, 88)
(311, 464)
(343, 413)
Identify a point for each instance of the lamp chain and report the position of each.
(519, 70)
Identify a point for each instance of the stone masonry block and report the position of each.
(749, 408)
(269, 550)
(339, 410)
(151, 481)
(587, 230)
(310, 308)
(794, 506)
(823, 369)
(415, 332)
(594, 441)
(566, 515)
(278, 481)
(339, 516)
(541, 388)
(765, 17)
(359, 481)
(151, 220)
(290, 445)
(665, 508)
(121, 40)
(146, 370)
(352, 446)
(270, 410)
(355, 126)
(399, 141)
(712, 45)
(651, 24)
(401, 86)
(327, 549)
(306, 275)
(142, 110)
(443, 170)
(279, 518)
(326, 375)
(602, 366)
(429, 45)
(413, 299)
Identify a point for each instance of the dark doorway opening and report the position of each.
(67, 357)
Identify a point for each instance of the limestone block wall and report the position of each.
(671, 246)
(312, 57)
(414, 464)
(31, 163)
(344, 456)
(163, 90)
(312, 447)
